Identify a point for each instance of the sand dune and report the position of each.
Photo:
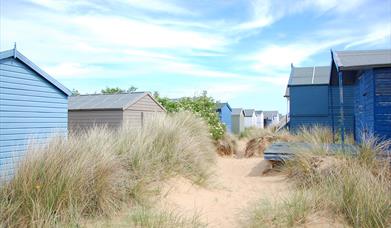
(236, 184)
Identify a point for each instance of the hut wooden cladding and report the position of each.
(33, 105)
(113, 110)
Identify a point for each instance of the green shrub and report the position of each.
(202, 106)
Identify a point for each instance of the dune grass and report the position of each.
(227, 146)
(141, 216)
(290, 211)
(96, 172)
(355, 187)
(258, 139)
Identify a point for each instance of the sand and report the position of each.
(236, 185)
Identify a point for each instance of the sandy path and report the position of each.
(237, 184)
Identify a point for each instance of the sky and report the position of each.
(240, 51)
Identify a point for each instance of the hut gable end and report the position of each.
(145, 103)
(32, 105)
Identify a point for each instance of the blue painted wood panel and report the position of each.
(382, 106)
(225, 117)
(30, 108)
(309, 100)
(364, 105)
(348, 108)
(319, 105)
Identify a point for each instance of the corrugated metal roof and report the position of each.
(16, 54)
(270, 114)
(350, 60)
(248, 112)
(259, 112)
(104, 101)
(237, 111)
(317, 75)
(220, 105)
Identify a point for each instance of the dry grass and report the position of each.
(293, 210)
(227, 146)
(148, 217)
(63, 180)
(260, 138)
(315, 135)
(354, 187)
(95, 172)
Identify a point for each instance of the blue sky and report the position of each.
(239, 51)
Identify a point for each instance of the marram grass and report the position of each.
(94, 173)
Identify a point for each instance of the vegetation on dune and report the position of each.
(177, 144)
(260, 138)
(63, 180)
(291, 211)
(202, 106)
(227, 146)
(96, 172)
(141, 216)
(354, 187)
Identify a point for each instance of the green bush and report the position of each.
(202, 106)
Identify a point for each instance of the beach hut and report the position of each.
(33, 105)
(112, 110)
(250, 119)
(352, 96)
(365, 76)
(237, 120)
(260, 118)
(313, 100)
(272, 118)
(224, 111)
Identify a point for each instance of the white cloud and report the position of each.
(297, 52)
(261, 16)
(73, 70)
(219, 91)
(228, 91)
(64, 5)
(158, 6)
(182, 68)
(266, 12)
(121, 31)
(379, 34)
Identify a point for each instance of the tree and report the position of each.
(114, 90)
(132, 89)
(75, 92)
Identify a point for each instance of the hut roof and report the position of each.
(249, 112)
(353, 60)
(106, 101)
(237, 111)
(316, 75)
(220, 105)
(17, 55)
(270, 114)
